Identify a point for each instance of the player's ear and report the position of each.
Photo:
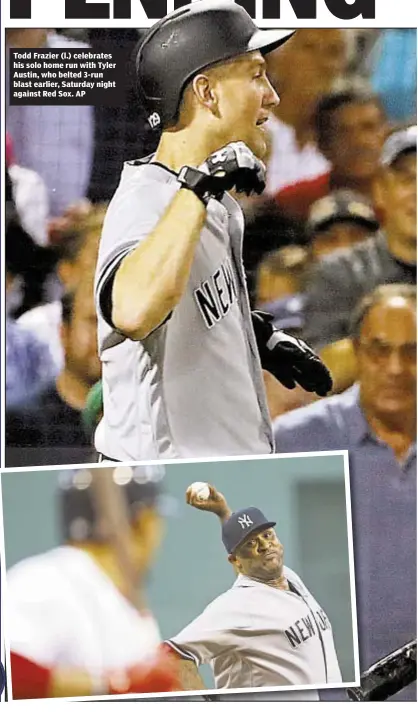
(205, 93)
(235, 563)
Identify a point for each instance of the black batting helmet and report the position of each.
(79, 517)
(187, 41)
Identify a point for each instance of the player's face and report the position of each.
(246, 98)
(260, 556)
(386, 355)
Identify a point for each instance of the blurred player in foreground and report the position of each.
(267, 629)
(77, 621)
(174, 318)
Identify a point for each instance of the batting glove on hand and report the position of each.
(289, 359)
(233, 166)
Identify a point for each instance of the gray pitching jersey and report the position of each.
(194, 386)
(254, 635)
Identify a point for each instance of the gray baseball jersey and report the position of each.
(194, 386)
(254, 635)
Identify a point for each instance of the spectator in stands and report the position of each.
(30, 195)
(28, 361)
(50, 430)
(55, 141)
(302, 72)
(375, 421)
(350, 127)
(280, 282)
(338, 281)
(341, 219)
(266, 231)
(29, 365)
(77, 260)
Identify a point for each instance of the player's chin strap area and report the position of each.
(387, 676)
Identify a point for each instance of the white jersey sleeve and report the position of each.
(37, 628)
(215, 632)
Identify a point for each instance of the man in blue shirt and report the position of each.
(376, 421)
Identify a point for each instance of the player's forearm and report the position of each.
(152, 279)
(189, 676)
(224, 514)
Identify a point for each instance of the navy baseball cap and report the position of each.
(242, 523)
(399, 142)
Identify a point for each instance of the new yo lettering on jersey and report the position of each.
(306, 627)
(216, 295)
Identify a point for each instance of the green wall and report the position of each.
(305, 495)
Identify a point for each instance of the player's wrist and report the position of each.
(224, 514)
(194, 180)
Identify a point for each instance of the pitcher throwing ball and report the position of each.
(182, 354)
(267, 630)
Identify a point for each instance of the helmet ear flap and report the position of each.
(153, 118)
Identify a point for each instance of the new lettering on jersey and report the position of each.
(305, 628)
(216, 295)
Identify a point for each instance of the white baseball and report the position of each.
(200, 490)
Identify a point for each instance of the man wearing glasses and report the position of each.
(376, 421)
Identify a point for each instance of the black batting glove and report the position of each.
(289, 359)
(233, 166)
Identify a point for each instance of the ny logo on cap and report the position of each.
(245, 521)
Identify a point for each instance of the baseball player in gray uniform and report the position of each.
(182, 353)
(267, 630)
